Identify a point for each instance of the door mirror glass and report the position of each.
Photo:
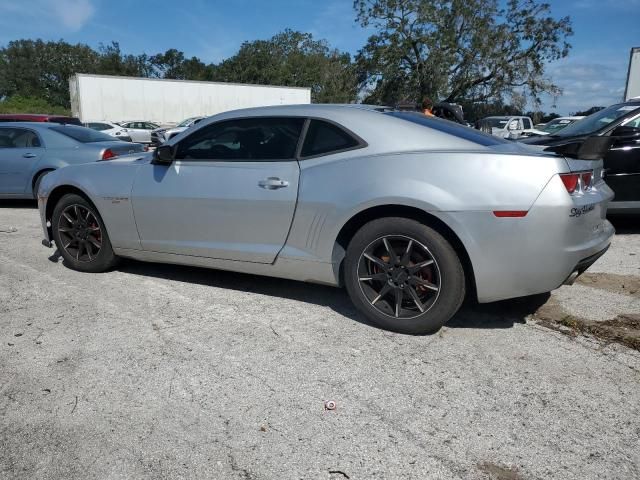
(626, 131)
(513, 125)
(163, 155)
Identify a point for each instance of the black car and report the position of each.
(622, 161)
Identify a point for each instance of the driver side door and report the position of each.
(230, 193)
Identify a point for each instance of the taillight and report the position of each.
(577, 182)
(570, 181)
(108, 154)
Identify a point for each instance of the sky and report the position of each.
(593, 74)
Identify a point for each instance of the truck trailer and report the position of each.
(113, 98)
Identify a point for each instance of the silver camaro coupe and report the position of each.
(409, 213)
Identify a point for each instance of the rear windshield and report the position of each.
(82, 134)
(67, 120)
(451, 128)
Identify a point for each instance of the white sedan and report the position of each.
(140, 131)
(109, 128)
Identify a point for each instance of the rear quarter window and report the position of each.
(323, 138)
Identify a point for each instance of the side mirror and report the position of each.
(626, 131)
(164, 155)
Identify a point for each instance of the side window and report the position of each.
(324, 137)
(6, 138)
(634, 122)
(249, 139)
(527, 123)
(18, 138)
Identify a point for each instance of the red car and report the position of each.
(28, 117)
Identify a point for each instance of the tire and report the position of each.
(426, 275)
(83, 244)
(36, 184)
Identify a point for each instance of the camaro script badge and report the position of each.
(578, 212)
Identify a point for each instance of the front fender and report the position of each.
(108, 186)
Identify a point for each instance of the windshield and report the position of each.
(450, 128)
(558, 124)
(83, 135)
(187, 122)
(597, 121)
(496, 122)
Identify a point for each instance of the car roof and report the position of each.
(305, 109)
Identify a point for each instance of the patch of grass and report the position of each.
(623, 329)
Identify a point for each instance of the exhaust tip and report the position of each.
(571, 278)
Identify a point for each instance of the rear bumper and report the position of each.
(583, 265)
(516, 257)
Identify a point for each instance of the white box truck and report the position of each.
(111, 98)
(633, 75)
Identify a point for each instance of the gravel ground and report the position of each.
(158, 372)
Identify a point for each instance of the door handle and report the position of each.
(29, 155)
(273, 183)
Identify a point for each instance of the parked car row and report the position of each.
(303, 192)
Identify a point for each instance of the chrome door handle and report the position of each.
(273, 183)
(29, 155)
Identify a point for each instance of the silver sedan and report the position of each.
(409, 213)
(29, 151)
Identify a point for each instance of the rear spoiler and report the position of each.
(592, 148)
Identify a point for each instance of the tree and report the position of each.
(113, 62)
(454, 50)
(18, 104)
(33, 68)
(173, 65)
(293, 59)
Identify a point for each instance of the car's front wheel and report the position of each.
(404, 276)
(81, 236)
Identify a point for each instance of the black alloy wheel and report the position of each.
(399, 276)
(80, 235)
(403, 275)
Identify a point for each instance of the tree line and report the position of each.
(483, 54)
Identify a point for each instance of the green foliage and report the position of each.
(38, 69)
(454, 50)
(42, 69)
(18, 104)
(481, 53)
(293, 59)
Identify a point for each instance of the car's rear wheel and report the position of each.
(81, 236)
(404, 276)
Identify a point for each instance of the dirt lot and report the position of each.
(158, 372)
